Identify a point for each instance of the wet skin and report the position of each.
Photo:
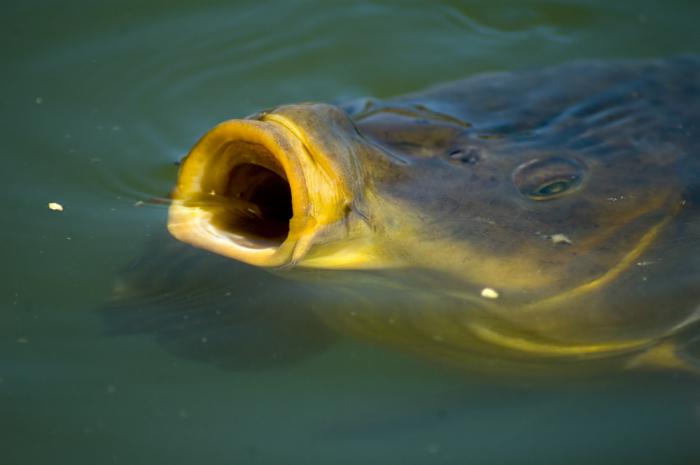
(533, 218)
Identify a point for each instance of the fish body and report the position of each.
(531, 218)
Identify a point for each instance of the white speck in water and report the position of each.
(22, 340)
(55, 206)
(184, 414)
(38, 100)
(560, 239)
(111, 389)
(646, 263)
(489, 293)
(204, 340)
(138, 203)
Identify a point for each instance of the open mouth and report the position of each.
(251, 190)
(255, 199)
(241, 192)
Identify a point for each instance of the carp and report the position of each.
(533, 218)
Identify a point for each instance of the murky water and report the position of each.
(99, 102)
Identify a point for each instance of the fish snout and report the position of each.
(260, 190)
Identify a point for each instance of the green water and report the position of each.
(100, 99)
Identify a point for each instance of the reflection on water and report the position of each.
(100, 103)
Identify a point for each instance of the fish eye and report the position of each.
(552, 188)
(548, 178)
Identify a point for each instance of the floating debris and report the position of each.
(55, 206)
(489, 293)
(38, 100)
(560, 239)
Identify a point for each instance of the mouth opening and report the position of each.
(259, 205)
(242, 193)
(250, 190)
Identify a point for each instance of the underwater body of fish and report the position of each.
(539, 220)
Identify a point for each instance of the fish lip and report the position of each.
(194, 223)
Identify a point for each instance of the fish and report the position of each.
(514, 221)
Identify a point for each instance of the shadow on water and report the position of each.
(206, 308)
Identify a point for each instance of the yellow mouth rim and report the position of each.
(192, 223)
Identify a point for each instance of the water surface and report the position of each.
(99, 102)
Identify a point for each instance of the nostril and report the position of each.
(467, 155)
